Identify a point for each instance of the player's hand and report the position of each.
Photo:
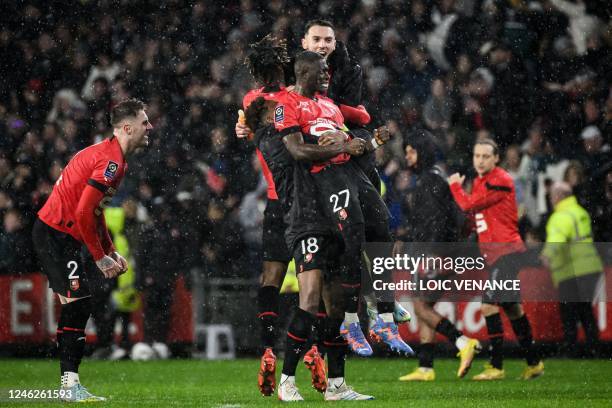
(329, 138)
(456, 178)
(382, 135)
(121, 261)
(109, 267)
(355, 147)
(242, 130)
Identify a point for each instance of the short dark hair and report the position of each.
(303, 61)
(312, 23)
(256, 112)
(126, 109)
(490, 142)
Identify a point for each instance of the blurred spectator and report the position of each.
(596, 152)
(16, 252)
(542, 83)
(574, 264)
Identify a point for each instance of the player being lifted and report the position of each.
(303, 116)
(73, 217)
(310, 235)
(265, 61)
(493, 204)
(346, 87)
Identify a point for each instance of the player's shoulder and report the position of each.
(288, 97)
(253, 94)
(105, 152)
(325, 98)
(500, 177)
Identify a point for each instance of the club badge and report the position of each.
(342, 214)
(74, 284)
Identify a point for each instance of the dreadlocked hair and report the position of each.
(266, 58)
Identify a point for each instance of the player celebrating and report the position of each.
(303, 116)
(265, 61)
(73, 217)
(493, 204)
(345, 89)
(314, 249)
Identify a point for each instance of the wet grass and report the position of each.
(194, 383)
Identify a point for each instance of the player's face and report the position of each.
(140, 127)
(322, 76)
(484, 159)
(411, 156)
(320, 39)
(317, 77)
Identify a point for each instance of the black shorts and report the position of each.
(338, 195)
(273, 240)
(316, 252)
(505, 268)
(61, 261)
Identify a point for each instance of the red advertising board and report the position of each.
(28, 312)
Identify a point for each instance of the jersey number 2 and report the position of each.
(73, 266)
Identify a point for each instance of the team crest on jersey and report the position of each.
(111, 169)
(308, 258)
(279, 114)
(74, 284)
(343, 214)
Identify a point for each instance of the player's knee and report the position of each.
(488, 309)
(420, 307)
(310, 296)
(75, 314)
(273, 273)
(513, 310)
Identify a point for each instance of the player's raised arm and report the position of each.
(472, 202)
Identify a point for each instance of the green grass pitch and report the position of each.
(232, 384)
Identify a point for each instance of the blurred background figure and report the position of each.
(575, 267)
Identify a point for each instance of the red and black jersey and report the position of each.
(493, 204)
(86, 185)
(314, 117)
(267, 93)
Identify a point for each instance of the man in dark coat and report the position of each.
(432, 216)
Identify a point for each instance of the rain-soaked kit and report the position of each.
(493, 272)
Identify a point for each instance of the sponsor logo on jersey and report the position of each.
(343, 214)
(279, 114)
(74, 284)
(111, 169)
(321, 126)
(305, 106)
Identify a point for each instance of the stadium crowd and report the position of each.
(533, 75)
